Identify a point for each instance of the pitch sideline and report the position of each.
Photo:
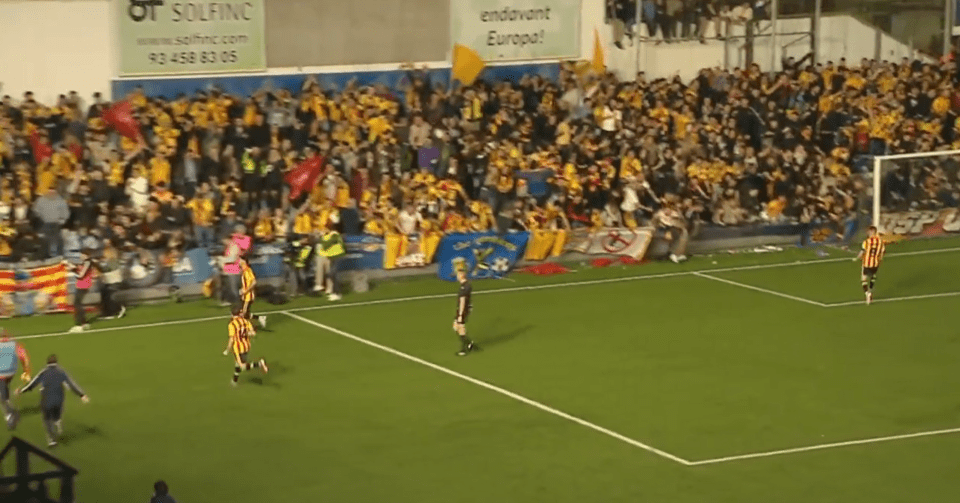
(511, 289)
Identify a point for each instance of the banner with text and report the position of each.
(33, 288)
(166, 37)
(626, 242)
(505, 30)
(920, 223)
(148, 268)
(482, 255)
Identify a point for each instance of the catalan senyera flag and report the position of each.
(467, 64)
(33, 289)
(8, 287)
(597, 63)
(52, 281)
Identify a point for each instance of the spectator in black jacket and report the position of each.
(52, 380)
(161, 493)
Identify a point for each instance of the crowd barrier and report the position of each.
(35, 287)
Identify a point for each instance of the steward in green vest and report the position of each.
(331, 244)
(330, 249)
(298, 261)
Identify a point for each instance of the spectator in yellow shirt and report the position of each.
(263, 230)
(202, 214)
(160, 168)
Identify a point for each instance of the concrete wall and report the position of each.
(51, 47)
(305, 33)
(840, 36)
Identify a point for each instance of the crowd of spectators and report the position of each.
(728, 148)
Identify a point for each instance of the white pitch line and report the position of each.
(821, 447)
(500, 290)
(761, 290)
(125, 327)
(496, 389)
(897, 299)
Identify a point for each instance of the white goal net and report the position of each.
(919, 194)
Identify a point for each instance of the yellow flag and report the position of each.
(467, 64)
(597, 63)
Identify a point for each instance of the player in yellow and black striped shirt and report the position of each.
(241, 330)
(248, 285)
(871, 254)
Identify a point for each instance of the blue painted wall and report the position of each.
(245, 85)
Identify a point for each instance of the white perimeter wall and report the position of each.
(52, 47)
(840, 36)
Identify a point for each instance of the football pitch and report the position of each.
(731, 378)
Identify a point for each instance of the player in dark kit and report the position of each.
(463, 311)
(52, 380)
(871, 253)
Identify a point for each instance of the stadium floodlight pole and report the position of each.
(774, 40)
(878, 173)
(947, 26)
(815, 31)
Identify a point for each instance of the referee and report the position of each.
(463, 311)
(51, 380)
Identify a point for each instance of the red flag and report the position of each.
(303, 177)
(77, 150)
(41, 151)
(120, 116)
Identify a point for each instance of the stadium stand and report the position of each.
(730, 147)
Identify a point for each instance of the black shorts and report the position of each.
(53, 413)
(462, 320)
(870, 271)
(4, 389)
(242, 357)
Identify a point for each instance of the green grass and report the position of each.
(695, 367)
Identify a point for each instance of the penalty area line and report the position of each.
(495, 389)
(821, 447)
(896, 299)
(761, 290)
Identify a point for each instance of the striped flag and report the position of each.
(38, 288)
(52, 281)
(8, 289)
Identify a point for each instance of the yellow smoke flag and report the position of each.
(467, 64)
(597, 63)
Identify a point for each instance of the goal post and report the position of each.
(916, 195)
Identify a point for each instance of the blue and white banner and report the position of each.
(267, 261)
(537, 181)
(829, 233)
(363, 252)
(483, 255)
(193, 267)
